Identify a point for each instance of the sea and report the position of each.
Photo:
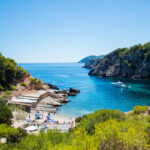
(96, 92)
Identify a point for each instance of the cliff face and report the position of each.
(133, 62)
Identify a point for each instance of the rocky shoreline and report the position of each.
(133, 62)
(49, 98)
(55, 99)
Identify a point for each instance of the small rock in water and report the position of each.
(51, 86)
(71, 90)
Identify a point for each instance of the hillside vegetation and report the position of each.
(133, 62)
(101, 130)
(10, 73)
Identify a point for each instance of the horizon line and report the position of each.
(44, 62)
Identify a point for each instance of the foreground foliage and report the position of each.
(5, 113)
(139, 109)
(102, 130)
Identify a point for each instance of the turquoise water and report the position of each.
(96, 93)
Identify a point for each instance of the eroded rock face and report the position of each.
(127, 63)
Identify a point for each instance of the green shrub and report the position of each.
(20, 73)
(5, 113)
(34, 81)
(78, 119)
(103, 115)
(139, 109)
(23, 84)
(10, 73)
(113, 131)
(12, 134)
(127, 135)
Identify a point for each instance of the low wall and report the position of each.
(42, 96)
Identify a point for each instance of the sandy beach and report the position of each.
(60, 123)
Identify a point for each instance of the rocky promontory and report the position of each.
(133, 62)
(40, 96)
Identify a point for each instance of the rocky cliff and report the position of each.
(133, 62)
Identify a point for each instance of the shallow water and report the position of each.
(96, 93)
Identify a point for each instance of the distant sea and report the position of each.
(96, 92)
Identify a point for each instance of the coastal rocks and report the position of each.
(64, 92)
(73, 92)
(50, 101)
(51, 86)
(124, 63)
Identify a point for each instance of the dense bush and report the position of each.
(91, 120)
(113, 134)
(129, 134)
(139, 109)
(10, 73)
(78, 119)
(11, 134)
(133, 49)
(34, 81)
(5, 113)
(36, 84)
(112, 131)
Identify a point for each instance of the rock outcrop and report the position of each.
(54, 87)
(133, 62)
(71, 92)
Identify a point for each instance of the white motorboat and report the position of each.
(119, 84)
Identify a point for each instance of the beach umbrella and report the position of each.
(38, 114)
(48, 117)
(29, 120)
(52, 121)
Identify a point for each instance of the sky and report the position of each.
(69, 30)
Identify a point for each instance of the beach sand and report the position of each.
(61, 120)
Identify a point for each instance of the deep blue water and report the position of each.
(96, 93)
